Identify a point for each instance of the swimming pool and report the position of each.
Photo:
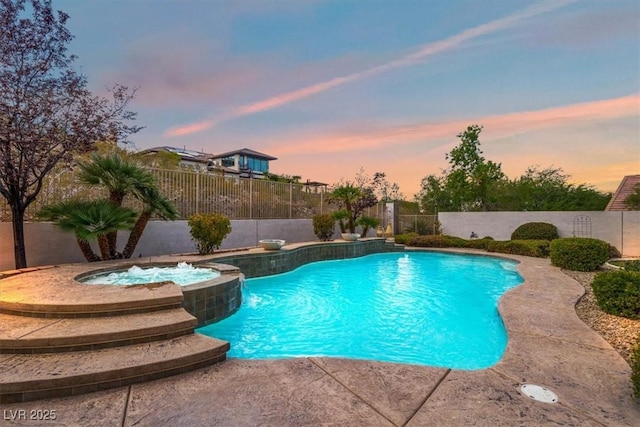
(424, 308)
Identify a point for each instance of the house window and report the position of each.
(258, 165)
(228, 162)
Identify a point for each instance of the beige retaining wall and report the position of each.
(621, 229)
(46, 244)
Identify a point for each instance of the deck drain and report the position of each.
(538, 393)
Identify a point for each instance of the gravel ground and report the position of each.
(620, 332)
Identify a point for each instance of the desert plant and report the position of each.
(324, 226)
(535, 231)
(579, 253)
(90, 220)
(367, 222)
(618, 293)
(341, 216)
(208, 231)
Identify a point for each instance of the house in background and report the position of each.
(625, 188)
(189, 159)
(243, 163)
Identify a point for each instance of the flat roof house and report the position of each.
(246, 162)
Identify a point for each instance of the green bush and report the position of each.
(635, 369)
(403, 238)
(533, 248)
(535, 231)
(324, 226)
(479, 243)
(441, 241)
(618, 293)
(208, 231)
(579, 253)
(633, 265)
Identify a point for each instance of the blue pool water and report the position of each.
(421, 308)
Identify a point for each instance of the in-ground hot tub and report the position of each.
(211, 291)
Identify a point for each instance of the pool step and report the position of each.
(19, 334)
(25, 377)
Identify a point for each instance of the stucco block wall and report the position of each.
(46, 244)
(621, 229)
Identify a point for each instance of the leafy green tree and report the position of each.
(46, 112)
(470, 182)
(633, 200)
(548, 190)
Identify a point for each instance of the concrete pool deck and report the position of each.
(548, 345)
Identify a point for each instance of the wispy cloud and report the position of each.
(418, 56)
(496, 126)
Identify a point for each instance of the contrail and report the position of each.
(425, 51)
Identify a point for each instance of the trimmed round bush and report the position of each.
(535, 231)
(579, 253)
(208, 231)
(618, 293)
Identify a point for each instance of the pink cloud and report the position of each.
(496, 126)
(421, 54)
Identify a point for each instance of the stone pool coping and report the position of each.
(548, 345)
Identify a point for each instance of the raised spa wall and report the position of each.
(213, 303)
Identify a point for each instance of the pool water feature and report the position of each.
(182, 274)
(423, 308)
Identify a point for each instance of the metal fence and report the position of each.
(421, 224)
(198, 192)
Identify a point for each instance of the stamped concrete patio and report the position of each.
(548, 345)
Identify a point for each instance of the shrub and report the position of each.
(208, 231)
(633, 265)
(579, 253)
(441, 241)
(535, 231)
(614, 252)
(635, 369)
(618, 293)
(479, 243)
(402, 239)
(534, 248)
(324, 226)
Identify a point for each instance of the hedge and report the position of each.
(579, 253)
(533, 248)
(618, 293)
(635, 369)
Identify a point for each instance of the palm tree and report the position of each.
(155, 203)
(121, 176)
(90, 220)
(347, 195)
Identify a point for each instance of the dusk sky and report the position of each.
(329, 87)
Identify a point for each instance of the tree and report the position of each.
(469, 183)
(353, 197)
(471, 177)
(90, 220)
(632, 201)
(46, 112)
(122, 175)
(548, 190)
